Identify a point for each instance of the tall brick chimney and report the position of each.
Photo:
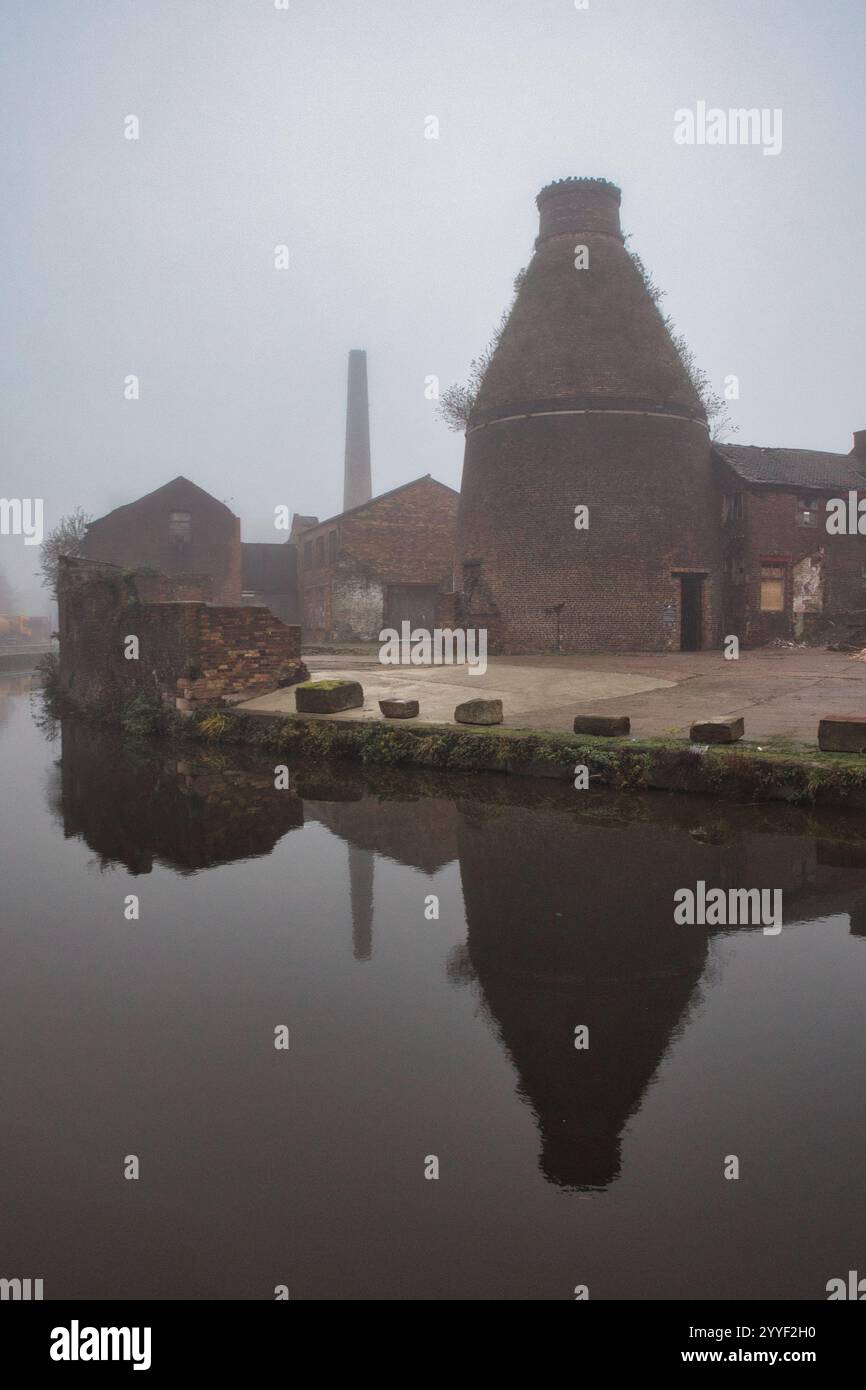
(357, 485)
(859, 450)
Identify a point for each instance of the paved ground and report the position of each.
(780, 692)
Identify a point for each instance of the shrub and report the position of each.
(142, 717)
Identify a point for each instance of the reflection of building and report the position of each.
(570, 922)
(569, 911)
(188, 815)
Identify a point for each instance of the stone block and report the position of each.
(479, 712)
(717, 730)
(842, 733)
(328, 697)
(399, 709)
(602, 725)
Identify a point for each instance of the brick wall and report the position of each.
(186, 648)
(648, 485)
(240, 650)
(405, 537)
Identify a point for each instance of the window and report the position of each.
(179, 527)
(471, 576)
(332, 547)
(807, 511)
(733, 506)
(320, 550)
(308, 555)
(734, 569)
(772, 588)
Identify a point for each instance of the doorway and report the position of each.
(411, 603)
(691, 612)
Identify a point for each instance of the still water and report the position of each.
(413, 1037)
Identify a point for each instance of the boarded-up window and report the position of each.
(332, 547)
(320, 550)
(179, 527)
(772, 588)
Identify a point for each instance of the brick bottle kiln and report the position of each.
(586, 403)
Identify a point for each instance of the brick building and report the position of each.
(782, 570)
(377, 564)
(177, 529)
(586, 403)
(269, 576)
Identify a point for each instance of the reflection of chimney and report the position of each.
(361, 896)
(357, 486)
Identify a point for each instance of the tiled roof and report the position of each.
(807, 468)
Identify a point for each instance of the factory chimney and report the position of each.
(357, 487)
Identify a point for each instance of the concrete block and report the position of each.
(842, 733)
(717, 730)
(611, 725)
(328, 697)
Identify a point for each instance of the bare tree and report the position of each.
(67, 538)
(458, 401)
(715, 407)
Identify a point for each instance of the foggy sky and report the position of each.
(306, 127)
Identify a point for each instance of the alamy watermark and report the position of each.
(22, 516)
(20, 1290)
(441, 646)
(737, 126)
(733, 907)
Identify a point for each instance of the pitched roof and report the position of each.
(180, 488)
(380, 497)
(806, 468)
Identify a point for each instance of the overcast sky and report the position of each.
(306, 127)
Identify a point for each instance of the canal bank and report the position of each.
(780, 693)
(741, 772)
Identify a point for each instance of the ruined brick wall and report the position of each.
(239, 650)
(210, 652)
(142, 533)
(822, 573)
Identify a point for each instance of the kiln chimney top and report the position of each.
(570, 205)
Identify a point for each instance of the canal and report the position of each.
(480, 976)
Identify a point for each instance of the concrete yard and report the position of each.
(781, 692)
